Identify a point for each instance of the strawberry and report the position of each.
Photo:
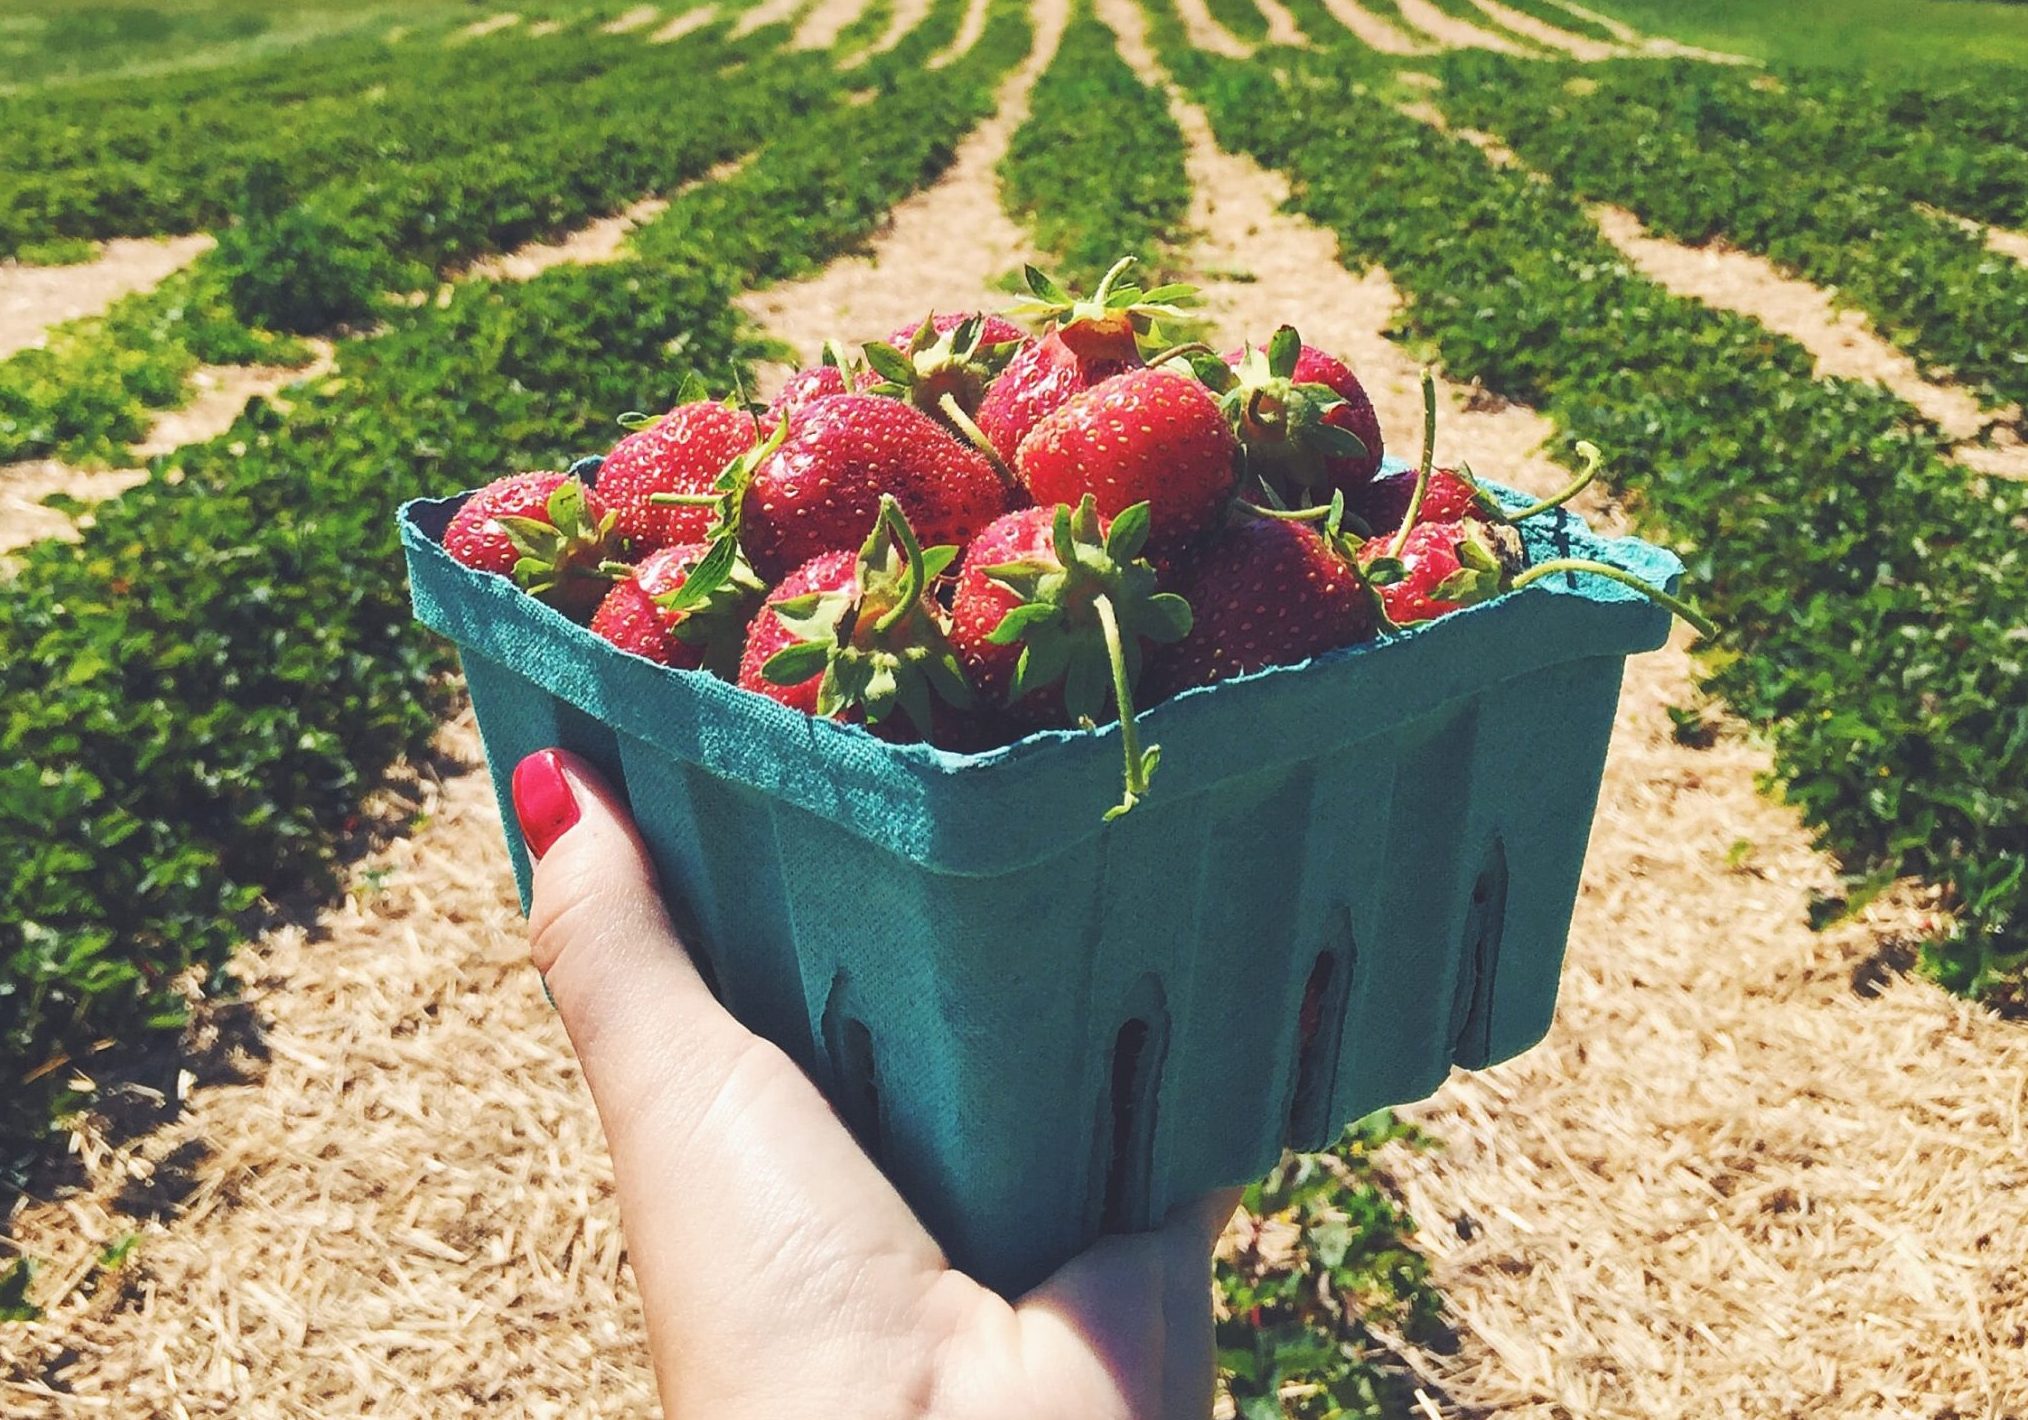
(943, 367)
(994, 330)
(1150, 436)
(1091, 341)
(833, 376)
(1267, 592)
(1050, 614)
(824, 481)
(646, 612)
(547, 531)
(1452, 496)
(1437, 568)
(681, 453)
(861, 638)
(1302, 418)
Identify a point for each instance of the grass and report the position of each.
(1909, 38)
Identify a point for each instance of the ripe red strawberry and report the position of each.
(547, 531)
(1266, 592)
(1441, 567)
(943, 366)
(1303, 419)
(1150, 436)
(1092, 341)
(1450, 497)
(861, 638)
(822, 486)
(646, 612)
(1019, 562)
(995, 330)
(1050, 617)
(804, 386)
(683, 452)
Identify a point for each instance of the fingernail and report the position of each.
(543, 801)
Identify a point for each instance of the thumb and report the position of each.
(622, 981)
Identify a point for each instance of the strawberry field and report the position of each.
(289, 1127)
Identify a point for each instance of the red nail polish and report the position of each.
(543, 800)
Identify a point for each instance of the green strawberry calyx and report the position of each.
(711, 611)
(1117, 311)
(728, 496)
(1283, 434)
(945, 376)
(564, 550)
(1081, 616)
(878, 644)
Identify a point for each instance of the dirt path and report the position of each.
(916, 266)
(34, 298)
(824, 22)
(23, 486)
(1207, 34)
(1375, 31)
(1997, 239)
(1453, 33)
(1842, 342)
(639, 17)
(768, 12)
(404, 1209)
(907, 15)
(596, 242)
(491, 25)
(1577, 46)
(679, 25)
(1726, 1185)
(970, 28)
(1281, 25)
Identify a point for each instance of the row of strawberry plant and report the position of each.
(1873, 595)
(1662, 142)
(1241, 17)
(306, 261)
(309, 264)
(169, 153)
(85, 393)
(1551, 13)
(192, 699)
(1097, 168)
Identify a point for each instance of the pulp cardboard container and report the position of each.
(1046, 1027)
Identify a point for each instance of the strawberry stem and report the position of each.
(953, 411)
(686, 500)
(1703, 624)
(1593, 461)
(1187, 347)
(912, 584)
(1422, 474)
(1139, 764)
(1105, 286)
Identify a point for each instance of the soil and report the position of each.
(34, 298)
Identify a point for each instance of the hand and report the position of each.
(780, 1273)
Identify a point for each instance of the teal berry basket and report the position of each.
(1046, 1027)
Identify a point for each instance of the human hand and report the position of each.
(780, 1273)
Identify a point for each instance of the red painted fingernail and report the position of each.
(543, 800)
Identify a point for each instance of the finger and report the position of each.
(722, 1149)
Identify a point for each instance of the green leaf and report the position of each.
(792, 665)
(1129, 532)
(1285, 347)
(889, 363)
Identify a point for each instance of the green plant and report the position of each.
(1701, 153)
(1296, 1341)
(1097, 168)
